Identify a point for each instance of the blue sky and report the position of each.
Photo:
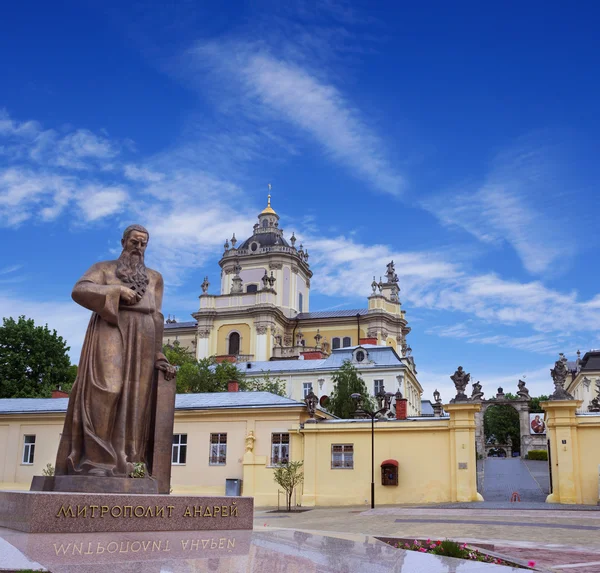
(459, 139)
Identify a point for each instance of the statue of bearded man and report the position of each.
(108, 425)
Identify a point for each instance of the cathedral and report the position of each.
(261, 317)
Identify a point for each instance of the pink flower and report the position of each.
(423, 550)
(530, 563)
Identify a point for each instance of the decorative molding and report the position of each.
(204, 332)
(261, 328)
(372, 333)
(307, 283)
(275, 266)
(295, 269)
(229, 271)
(384, 334)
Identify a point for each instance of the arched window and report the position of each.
(335, 343)
(347, 341)
(234, 344)
(300, 302)
(252, 288)
(265, 223)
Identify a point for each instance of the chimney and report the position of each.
(401, 408)
(313, 355)
(233, 386)
(372, 341)
(58, 392)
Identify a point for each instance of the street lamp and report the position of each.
(384, 400)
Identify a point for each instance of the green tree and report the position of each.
(206, 375)
(266, 384)
(501, 422)
(178, 355)
(534, 404)
(33, 360)
(288, 476)
(347, 381)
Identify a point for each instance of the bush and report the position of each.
(538, 455)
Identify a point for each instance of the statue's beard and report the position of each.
(132, 271)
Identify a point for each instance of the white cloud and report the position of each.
(97, 202)
(511, 206)
(143, 174)
(274, 89)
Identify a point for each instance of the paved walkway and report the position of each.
(567, 540)
(505, 476)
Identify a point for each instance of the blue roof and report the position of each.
(332, 313)
(188, 324)
(378, 357)
(212, 400)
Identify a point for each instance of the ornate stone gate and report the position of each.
(521, 405)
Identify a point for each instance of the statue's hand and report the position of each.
(128, 296)
(165, 367)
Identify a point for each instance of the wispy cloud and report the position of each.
(512, 206)
(274, 89)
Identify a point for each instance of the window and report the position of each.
(234, 344)
(179, 451)
(347, 342)
(335, 343)
(252, 288)
(218, 449)
(307, 388)
(378, 387)
(280, 449)
(28, 449)
(342, 456)
(265, 223)
(360, 356)
(300, 301)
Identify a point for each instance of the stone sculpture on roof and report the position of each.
(559, 376)
(460, 379)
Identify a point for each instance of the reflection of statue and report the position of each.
(559, 376)
(460, 379)
(477, 394)
(538, 426)
(522, 391)
(108, 422)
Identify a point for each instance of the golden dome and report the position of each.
(268, 210)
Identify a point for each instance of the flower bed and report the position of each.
(449, 548)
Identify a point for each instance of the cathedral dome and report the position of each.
(264, 240)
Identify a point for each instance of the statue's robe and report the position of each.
(108, 424)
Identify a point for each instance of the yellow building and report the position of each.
(262, 314)
(243, 435)
(583, 378)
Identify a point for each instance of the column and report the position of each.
(309, 490)
(561, 431)
(261, 342)
(463, 459)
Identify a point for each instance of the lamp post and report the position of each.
(384, 400)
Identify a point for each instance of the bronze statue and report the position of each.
(109, 418)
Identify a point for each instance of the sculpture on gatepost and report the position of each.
(114, 406)
(476, 394)
(437, 404)
(460, 379)
(523, 392)
(559, 377)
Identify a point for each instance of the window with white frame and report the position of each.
(335, 343)
(218, 449)
(378, 387)
(280, 449)
(342, 456)
(28, 449)
(179, 450)
(347, 342)
(307, 388)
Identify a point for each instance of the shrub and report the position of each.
(48, 471)
(538, 455)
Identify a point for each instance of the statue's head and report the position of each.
(135, 240)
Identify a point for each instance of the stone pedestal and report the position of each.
(94, 484)
(54, 512)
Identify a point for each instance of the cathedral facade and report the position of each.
(262, 314)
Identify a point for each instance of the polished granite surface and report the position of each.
(264, 551)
